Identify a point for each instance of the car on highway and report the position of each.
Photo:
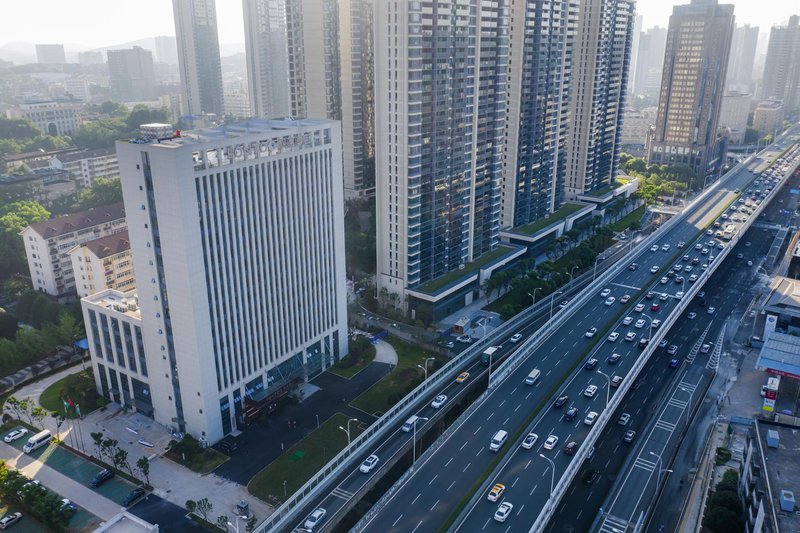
(551, 442)
(643, 342)
(633, 266)
(663, 344)
(655, 307)
(315, 519)
(692, 315)
(591, 477)
(711, 310)
(749, 263)
(664, 280)
(654, 248)
(705, 348)
(656, 323)
(654, 269)
(464, 339)
(563, 304)
(639, 308)
(630, 336)
(16, 434)
(686, 257)
(672, 350)
(614, 358)
(649, 295)
(740, 256)
(688, 268)
(627, 321)
(709, 232)
(590, 364)
(529, 440)
(681, 244)
(503, 512)
(704, 251)
(625, 299)
(665, 248)
(561, 400)
(462, 377)
(368, 464)
(497, 492)
(695, 260)
(439, 401)
(613, 336)
(10, 519)
(571, 413)
(610, 300)
(698, 246)
(679, 295)
(447, 344)
(673, 363)
(570, 448)
(591, 417)
(623, 419)
(604, 293)
(515, 338)
(629, 436)
(133, 495)
(616, 381)
(640, 323)
(590, 333)
(678, 280)
(590, 391)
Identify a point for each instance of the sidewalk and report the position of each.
(93, 502)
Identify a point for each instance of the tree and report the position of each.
(104, 191)
(191, 505)
(16, 406)
(143, 115)
(97, 440)
(120, 459)
(204, 507)
(59, 422)
(8, 326)
(143, 467)
(722, 520)
(250, 525)
(68, 328)
(17, 128)
(725, 498)
(222, 522)
(39, 414)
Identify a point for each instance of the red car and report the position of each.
(655, 307)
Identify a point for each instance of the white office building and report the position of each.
(51, 117)
(237, 234)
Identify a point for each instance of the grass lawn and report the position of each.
(202, 462)
(300, 462)
(79, 388)
(434, 285)
(634, 216)
(401, 380)
(561, 213)
(347, 372)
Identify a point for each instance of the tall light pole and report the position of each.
(650, 331)
(425, 368)
(600, 257)
(414, 439)
(348, 429)
(553, 473)
(608, 385)
(571, 270)
(533, 296)
(489, 378)
(658, 462)
(553, 297)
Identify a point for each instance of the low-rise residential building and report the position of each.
(768, 118)
(47, 245)
(103, 263)
(50, 116)
(89, 165)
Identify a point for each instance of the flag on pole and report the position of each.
(71, 403)
(78, 410)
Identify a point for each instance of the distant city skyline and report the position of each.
(126, 22)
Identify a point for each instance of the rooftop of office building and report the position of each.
(126, 303)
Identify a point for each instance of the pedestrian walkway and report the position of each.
(93, 502)
(385, 353)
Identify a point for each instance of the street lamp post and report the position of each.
(489, 378)
(414, 439)
(608, 385)
(570, 273)
(347, 431)
(600, 257)
(552, 474)
(553, 297)
(533, 296)
(425, 368)
(650, 331)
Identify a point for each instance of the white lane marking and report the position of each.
(479, 452)
(507, 419)
(477, 430)
(485, 524)
(463, 445)
(527, 465)
(465, 468)
(517, 407)
(489, 417)
(413, 530)
(533, 489)
(520, 509)
(451, 486)
(434, 505)
(398, 519)
(449, 461)
(501, 403)
(417, 498)
(528, 395)
(515, 482)
(515, 390)
(433, 479)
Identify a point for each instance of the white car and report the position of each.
(589, 334)
(503, 512)
(630, 336)
(16, 434)
(656, 323)
(664, 280)
(624, 418)
(681, 244)
(627, 321)
(591, 416)
(590, 391)
(439, 401)
(640, 323)
(654, 248)
(613, 336)
(654, 269)
(698, 246)
(639, 308)
(711, 310)
(515, 338)
(315, 518)
(692, 315)
(605, 292)
(692, 278)
(368, 464)
(610, 300)
(665, 248)
(530, 440)
(464, 339)
(551, 442)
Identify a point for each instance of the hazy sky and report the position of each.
(92, 23)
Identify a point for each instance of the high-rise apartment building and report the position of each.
(637, 34)
(692, 86)
(600, 76)
(267, 57)
(649, 62)
(90, 58)
(734, 113)
(742, 57)
(198, 56)
(313, 58)
(237, 236)
(782, 67)
(131, 74)
(440, 97)
(166, 49)
(50, 54)
(539, 73)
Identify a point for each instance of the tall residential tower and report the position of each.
(692, 86)
(198, 56)
(267, 57)
(782, 68)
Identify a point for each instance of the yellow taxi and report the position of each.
(462, 377)
(497, 492)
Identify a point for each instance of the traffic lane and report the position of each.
(569, 515)
(682, 231)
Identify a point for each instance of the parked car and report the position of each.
(102, 476)
(133, 495)
(464, 339)
(67, 505)
(15, 434)
(10, 519)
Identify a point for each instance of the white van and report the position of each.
(42, 438)
(498, 440)
(409, 425)
(533, 376)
